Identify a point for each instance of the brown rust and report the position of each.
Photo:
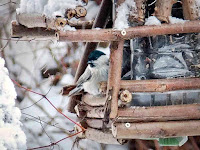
(159, 113)
(156, 129)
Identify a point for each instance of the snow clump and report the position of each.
(12, 137)
(123, 10)
(152, 20)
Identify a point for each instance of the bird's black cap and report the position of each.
(94, 55)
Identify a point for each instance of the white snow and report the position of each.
(123, 10)
(152, 20)
(50, 8)
(12, 136)
(67, 79)
(174, 20)
(69, 28)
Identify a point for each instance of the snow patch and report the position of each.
(123, 10)
(12, 136)
(49, 8)
(152, 20)
(69, 28)
(174, 20)
(67, 79)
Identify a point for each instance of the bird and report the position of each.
(95, 72)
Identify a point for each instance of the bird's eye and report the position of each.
(92, 65)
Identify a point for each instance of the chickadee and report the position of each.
(96, 71)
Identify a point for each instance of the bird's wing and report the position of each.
(84, 77)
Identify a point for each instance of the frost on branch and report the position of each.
(12, 137)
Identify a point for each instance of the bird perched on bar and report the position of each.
(96, 72)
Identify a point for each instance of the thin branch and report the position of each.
(35, 119)
(52, 144)
(44, 96)
(36, 101)
(10, 2)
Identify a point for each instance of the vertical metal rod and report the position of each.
(114, 77)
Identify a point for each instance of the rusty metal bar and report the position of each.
(104, 35)
(157, 85)
(156, 129)
(100, 21)
(159, 113)
(114, 77)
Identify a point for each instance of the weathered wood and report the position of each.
(35, 20)
(97, 123)
(159, 113)
(163, 9)
(93, 100)
(156, 129)
(96, 135)
(114, 77)
(105, 35)
(19, 31)
(156, 85)
(190, 10)
(132, 32)
(145, 114)
(125, 96)
(138, 15)
(100, 136)
(89, 112)
(100, 21)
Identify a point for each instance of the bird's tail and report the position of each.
(76, 91)
(71, 90)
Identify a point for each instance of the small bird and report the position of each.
(96, 71)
